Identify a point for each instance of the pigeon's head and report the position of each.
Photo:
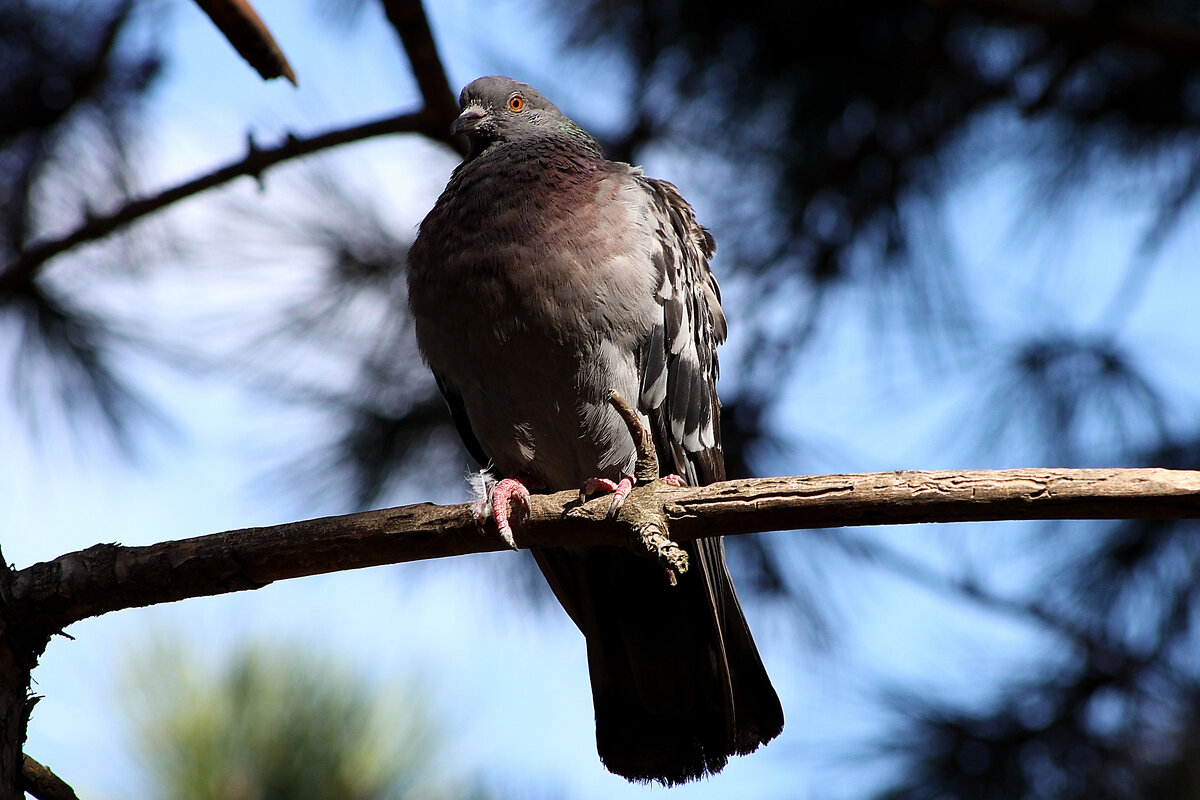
(498, 109)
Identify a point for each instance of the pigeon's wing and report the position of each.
(679, 395)
(678, 360)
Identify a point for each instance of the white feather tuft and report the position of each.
(482, 483)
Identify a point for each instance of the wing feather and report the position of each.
(679, 356)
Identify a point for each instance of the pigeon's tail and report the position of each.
(677, 682)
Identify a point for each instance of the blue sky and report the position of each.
(512, 683)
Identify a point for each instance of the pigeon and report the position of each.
(545, 278)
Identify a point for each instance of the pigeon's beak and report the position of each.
(467, 120)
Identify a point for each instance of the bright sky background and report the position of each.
(511, 683)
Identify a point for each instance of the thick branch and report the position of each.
(257, 160)
(51, 595)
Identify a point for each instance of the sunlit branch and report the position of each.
(48, 596)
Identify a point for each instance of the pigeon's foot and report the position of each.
(509, 489)
(620, 489)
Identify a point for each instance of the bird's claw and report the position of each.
(595, 486)
(497, 504)
(620, 490)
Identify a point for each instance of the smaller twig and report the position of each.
(653, 539)
(650, 533)
(43, 784)
(646, 468)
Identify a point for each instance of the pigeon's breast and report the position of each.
(531, 298)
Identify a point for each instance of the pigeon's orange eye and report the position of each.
(516, 103)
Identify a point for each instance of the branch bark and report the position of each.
(48, 596)
(44, 598)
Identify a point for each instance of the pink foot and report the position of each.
(620, 490)
(504, 491)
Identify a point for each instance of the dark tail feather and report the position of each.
(677, 683)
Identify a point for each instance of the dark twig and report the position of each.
(653, 537)
(646, 468)
(411, 24)
(21, 271)
(433, 121)
(42, 783)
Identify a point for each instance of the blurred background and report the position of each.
(951, 234)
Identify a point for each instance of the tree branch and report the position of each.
(21, 271)
(48, 596)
